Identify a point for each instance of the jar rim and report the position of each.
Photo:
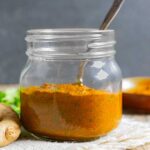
(67, 33)
(68, 30)
(70, 42)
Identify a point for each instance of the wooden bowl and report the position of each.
(134, 99)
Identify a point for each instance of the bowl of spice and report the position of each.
(136, 94)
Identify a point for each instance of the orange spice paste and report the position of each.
(69, 111)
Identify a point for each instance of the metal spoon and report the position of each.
(105, 24)
(111, 14)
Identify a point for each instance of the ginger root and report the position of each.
(10, 128)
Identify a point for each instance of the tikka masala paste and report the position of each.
(69, 111)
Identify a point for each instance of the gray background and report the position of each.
(132, 27)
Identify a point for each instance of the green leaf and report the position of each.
(2, 95)
(11, 97)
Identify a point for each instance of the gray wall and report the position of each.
(132, 27)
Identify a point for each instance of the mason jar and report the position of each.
(71, 84)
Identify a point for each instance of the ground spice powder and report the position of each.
(69, 111)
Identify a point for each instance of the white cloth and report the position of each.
(129, 134)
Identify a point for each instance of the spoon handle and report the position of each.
(105, 24)
(111, 14)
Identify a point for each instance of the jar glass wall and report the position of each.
(53, 104)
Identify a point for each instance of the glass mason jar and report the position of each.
(54, 104)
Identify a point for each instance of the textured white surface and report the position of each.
(129, 134)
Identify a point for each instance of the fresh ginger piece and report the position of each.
(10, 128)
